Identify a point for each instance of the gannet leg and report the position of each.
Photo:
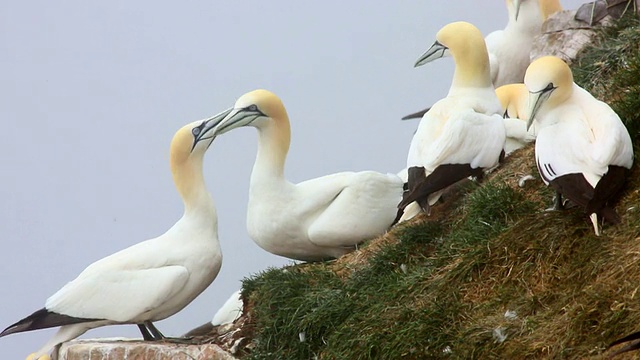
(155, 333)
(146, 335)
(558, 204)
(158, 336)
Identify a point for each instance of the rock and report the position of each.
(116, 349)
(564, 36)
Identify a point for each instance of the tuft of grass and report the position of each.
(493, 276)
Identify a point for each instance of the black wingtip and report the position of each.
(416, 115)
(42, 319)
(630, 337)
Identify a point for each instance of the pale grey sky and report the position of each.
(92, 92)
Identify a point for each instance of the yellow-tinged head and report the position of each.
(550, 82)
(466, 44)
(261, 109)
(549, 7)
(194, 139)
(513, 99)
(42, 357)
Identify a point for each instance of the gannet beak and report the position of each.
(436, 51)
(536, 99)
(238, 117)
(206, 126)
(517, 4)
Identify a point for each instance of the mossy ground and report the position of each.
(490, 274)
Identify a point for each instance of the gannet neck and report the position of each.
(467, 46)
(528, 22)
(274, 138)
(186, 167)
(548, 8)
(190, 184)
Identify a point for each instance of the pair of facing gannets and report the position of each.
(151, 280)
(583, 151)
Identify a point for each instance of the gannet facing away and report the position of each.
(513, 99)
(462, 134)
(509, 49)
(583, 149)
(316, 219)
(151, 280)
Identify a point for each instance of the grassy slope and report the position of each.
(439, 287)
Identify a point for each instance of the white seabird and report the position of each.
(230, 311)
(151, 280)
(462, 134)
(583, 150)
(316, 219)
(509, 49)
(513, 99)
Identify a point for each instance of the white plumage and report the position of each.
(509, 48)
(151, 280)
(580, 139)
(230, 310)
(464, 131)
(316, 219)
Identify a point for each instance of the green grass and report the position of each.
(439, 286)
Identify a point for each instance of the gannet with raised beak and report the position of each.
(513, 99)
(151, 280)
(316, 219)
(462, 134)
(509, 49)
(583, 150)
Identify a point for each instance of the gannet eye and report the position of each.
(196, 131)
(253, 107)
(549, 87)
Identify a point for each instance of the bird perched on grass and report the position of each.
(509, 49)
(583, 150)
(463, 134)
(317, 219)
(151, 280)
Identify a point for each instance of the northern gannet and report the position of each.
(509, 49)
(513, 99)
(583, 150)
(462, 134)
(151, 280)
(316, 219)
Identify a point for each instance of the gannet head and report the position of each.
(454, 38)
(195, 138)
(548, 8)
(256, 108)
(550, 82)
(513, 97)
(465, 43)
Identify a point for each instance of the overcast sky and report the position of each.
(91, 94)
